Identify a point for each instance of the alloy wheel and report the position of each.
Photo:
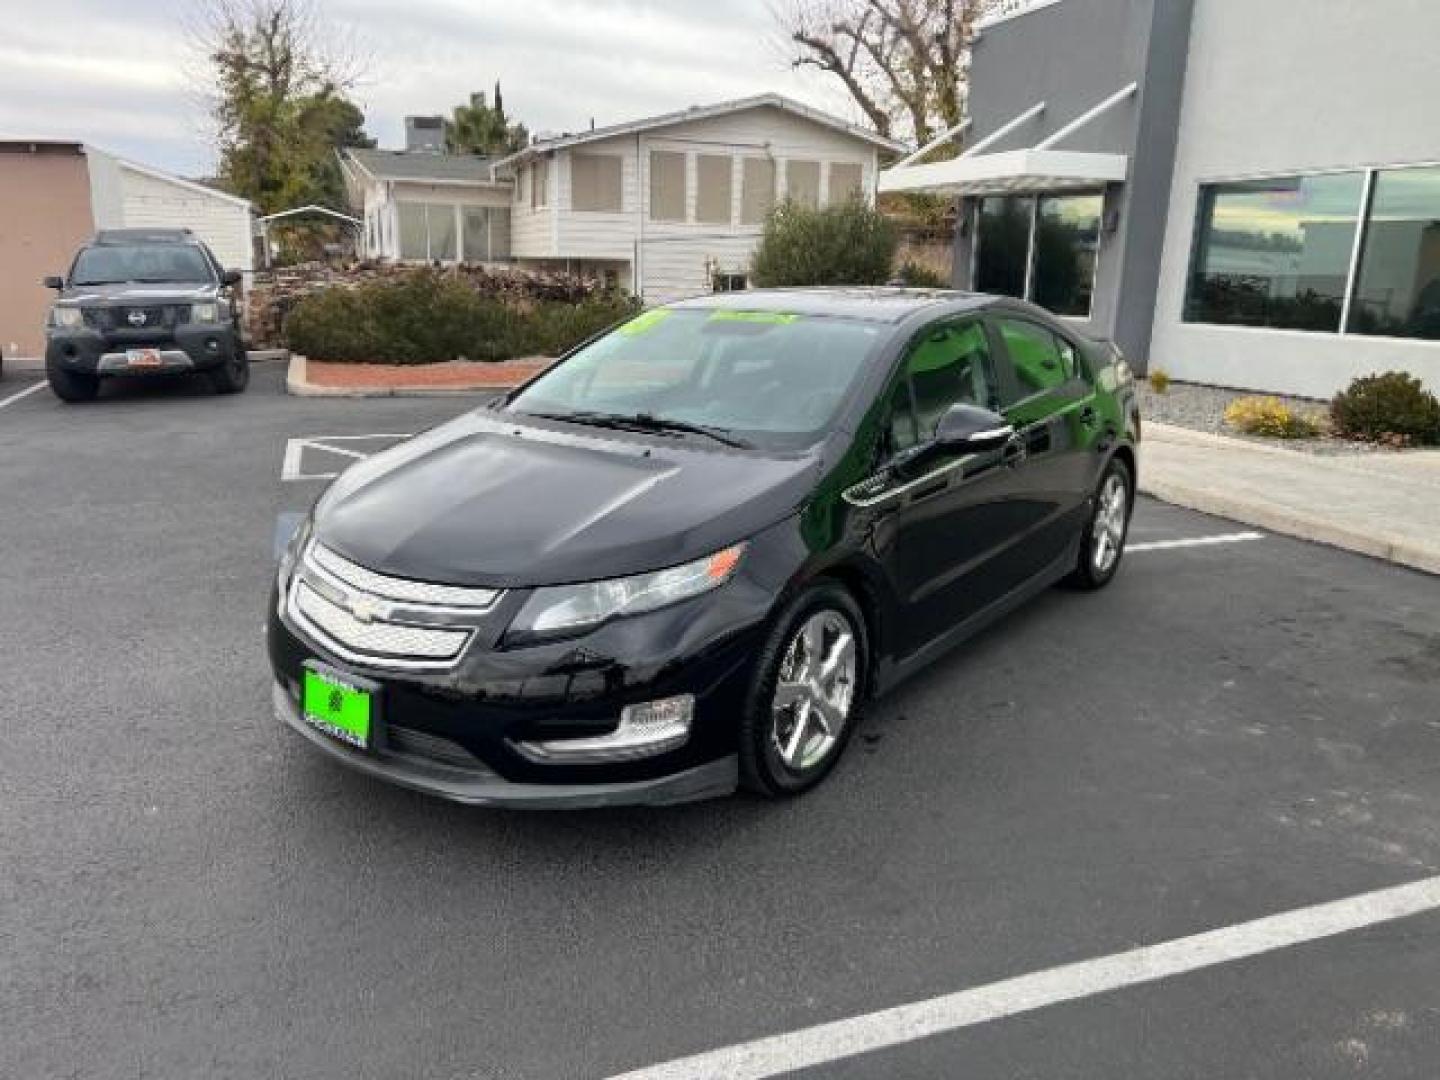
(814, 690)
(1107, 533)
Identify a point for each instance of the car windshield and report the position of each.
(774, 380)
(115, 264)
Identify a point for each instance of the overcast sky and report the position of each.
(114, 72)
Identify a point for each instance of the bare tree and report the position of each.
(905, 62)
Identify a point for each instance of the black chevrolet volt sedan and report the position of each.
(684, 557)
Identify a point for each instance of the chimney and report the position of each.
(425, 134)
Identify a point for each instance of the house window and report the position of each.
(730, 283)
(1067, 242)
(757, 190)
(540, 184)
(444, 232)
(667, 186)
(1398, 292)
(486, 233)
(845, 182)
(414, 240)
(1275, 252)
(802, 183)
(429, 232)
(1003, 245)
(714, 184)
(595, 182)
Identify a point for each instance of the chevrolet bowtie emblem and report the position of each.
(367, 609)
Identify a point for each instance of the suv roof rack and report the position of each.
(151, 236)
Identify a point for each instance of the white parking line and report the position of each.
(291, 466)
(1195, 541)
(41, 385)
(892, 1027)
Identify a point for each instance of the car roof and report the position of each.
(144, 236)
(870, 303)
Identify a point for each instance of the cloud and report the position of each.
(117, 74)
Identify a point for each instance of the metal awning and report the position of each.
(1033, 170)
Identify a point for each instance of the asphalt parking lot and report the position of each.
(1233, 730)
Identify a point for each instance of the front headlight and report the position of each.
(565, 609)
(67, 317)
(205, 313)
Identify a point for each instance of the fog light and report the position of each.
(212, 345)
(647, 729)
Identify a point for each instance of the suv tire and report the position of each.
(233, 375)
(71, 386)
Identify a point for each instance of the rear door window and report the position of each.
(1037, 363)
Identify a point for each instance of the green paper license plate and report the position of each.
(338, 706)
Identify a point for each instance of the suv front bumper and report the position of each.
(186, 348)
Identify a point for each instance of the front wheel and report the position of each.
(805, 699)
(232, 376)
(1103, 544)
(72, 386)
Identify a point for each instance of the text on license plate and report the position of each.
(337, 707)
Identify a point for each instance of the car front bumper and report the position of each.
(477, 785)
(184, 349)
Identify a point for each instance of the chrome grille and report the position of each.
(402, 589)
(373, 640)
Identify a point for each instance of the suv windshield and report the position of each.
(140, 263)
(769, 379)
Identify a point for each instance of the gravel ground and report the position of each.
(1202, 408)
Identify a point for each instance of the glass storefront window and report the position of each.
(1067, 242)
(1003, 238)
(1398, 292)
(1275, 252)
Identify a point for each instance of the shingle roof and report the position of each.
(412, 165)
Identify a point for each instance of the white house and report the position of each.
(670, 205)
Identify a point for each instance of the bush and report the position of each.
(850, 244)
(918, 276)
(433, 317)
(1271, 416)
(1159, 381)
(1393, 407)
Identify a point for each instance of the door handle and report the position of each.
(1014, 452)
(1088, 416)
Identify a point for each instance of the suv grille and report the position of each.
(157, 317)
(379, 620)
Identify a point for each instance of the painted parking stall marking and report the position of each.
(34, 389)
(825, 1043)
(324, 457)
(1194, 541)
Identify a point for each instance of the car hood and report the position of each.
(499, 501)
(138, 295)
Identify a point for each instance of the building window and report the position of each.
(730, 283)
(485, 233)
(444, 232)
(429, 232)
(414, 240)
(595, 181)
(1275, 252)
(1067, 242)
(713, 186)
(1398, 291)
(757, 190)
(845, 182)
(1003, 245)
(802, 183)
(540, 184)
(667, 186)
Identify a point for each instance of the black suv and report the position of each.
(144, 302)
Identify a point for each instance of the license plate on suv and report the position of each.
(144, 358)
(342, 706)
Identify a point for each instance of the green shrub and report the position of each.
(849, 244)
(1393, 407)
(1159, 381)
(433, 317)
(918, 276)
(1271, 416)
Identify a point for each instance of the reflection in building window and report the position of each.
(1067, 240)
(1275, 252)
(1398, 293)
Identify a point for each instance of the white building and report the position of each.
(670, 205)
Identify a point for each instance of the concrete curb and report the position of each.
(1313, 526)
(298, 384)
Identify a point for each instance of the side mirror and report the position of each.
(231, 277)
(969, 429)
(54, 281)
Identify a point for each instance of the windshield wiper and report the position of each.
(648, 422)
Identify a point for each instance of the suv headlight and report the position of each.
(565, 609)
(67, 317)
(208, 312)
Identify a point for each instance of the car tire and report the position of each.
(777, 759)
(233, 375)
(71, 386)
(1103, 545)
